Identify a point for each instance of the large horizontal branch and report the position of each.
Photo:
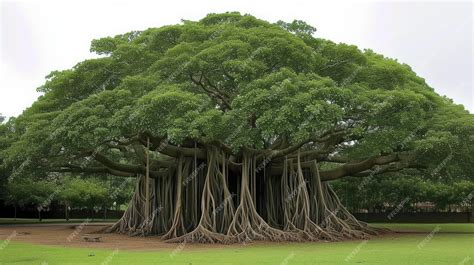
(160, 144)
(354, 168)
(327, 139)
(393, 167)
(117, 166)
(349, 168)
(213, 93)
(106, 170)
(93, 170)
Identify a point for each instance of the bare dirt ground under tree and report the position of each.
(70, 235)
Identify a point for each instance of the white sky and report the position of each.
(435, 38)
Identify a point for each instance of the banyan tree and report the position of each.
(233, 128)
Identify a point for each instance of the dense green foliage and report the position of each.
(73, 192)
(26, 191)
(411, 193)
(241, 85)
(169, 80)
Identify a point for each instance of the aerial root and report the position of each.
(312, 213)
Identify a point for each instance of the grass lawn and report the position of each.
(406, 249)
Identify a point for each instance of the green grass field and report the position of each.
(425, 247)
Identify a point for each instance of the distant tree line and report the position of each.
(408, 193)
(70, 192)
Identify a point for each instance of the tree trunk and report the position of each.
(147, 181)
(294, 205)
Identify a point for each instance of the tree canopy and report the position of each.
(234, 81)
(244, 86)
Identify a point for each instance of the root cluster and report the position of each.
(218, 205)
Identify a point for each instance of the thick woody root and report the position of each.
(200, 235)
(328, 209)
(347, 217)
(306, 209)
(310, 231)
(339, 220)
(339, 229)
(133, 222)
(247, 224)
(177, 227)
(216, 203)
(297, 208)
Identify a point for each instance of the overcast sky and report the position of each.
(434, 38)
